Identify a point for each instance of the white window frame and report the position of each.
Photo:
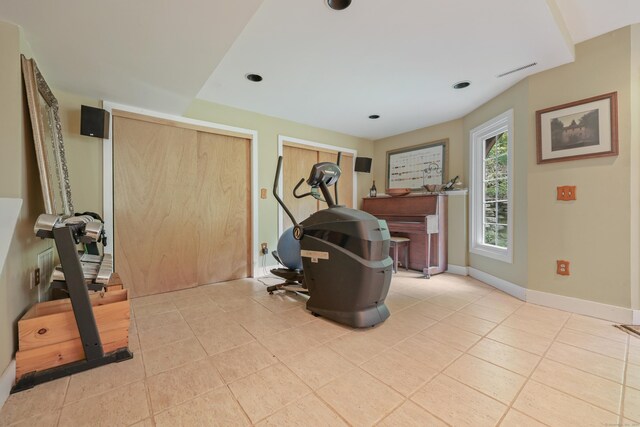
(477, 136)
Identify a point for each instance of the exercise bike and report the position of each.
(345, 255)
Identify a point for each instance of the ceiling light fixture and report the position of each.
(374, 116)
(254, 77)
(462, 84)
(338, 4)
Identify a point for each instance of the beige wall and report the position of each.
(20, 179)
(634, 154)
(593, 232)
(268, 129)
(600, 232)
(84, 153)
(457, 244)
(451, 130)
(515, 98)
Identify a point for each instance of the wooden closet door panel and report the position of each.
(345, 183)
(154, 179)
(223, 207)
(296, 164)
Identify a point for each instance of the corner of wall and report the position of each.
(634, 192)
(21, 180)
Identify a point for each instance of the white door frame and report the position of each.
(107, 170)
(282, 140)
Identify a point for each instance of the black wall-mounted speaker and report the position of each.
(363, 164)
(94, 122)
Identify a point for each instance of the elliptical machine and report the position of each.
(345, 255)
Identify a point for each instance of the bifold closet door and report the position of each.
(156, 245)
(224, 207)
(345, 183)
(182, 206)
(296, 164)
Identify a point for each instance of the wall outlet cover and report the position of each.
(566, 193)
(562, 267)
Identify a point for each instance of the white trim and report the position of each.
(6, 381)
(477, 136)
(576, 305)
(107, 163)
(505, 286)
(461, 192)
(457, 269)
(266, 271)
(608, 312)
(282, 139)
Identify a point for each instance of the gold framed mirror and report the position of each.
(47, 138)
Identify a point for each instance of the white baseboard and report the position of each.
(608, 312)
(458, 269)
(6, 381)
(508, 287)
(264, 271)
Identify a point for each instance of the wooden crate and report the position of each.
(48, 335)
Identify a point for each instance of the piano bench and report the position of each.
(396, 243)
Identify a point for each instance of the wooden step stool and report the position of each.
(397, 242)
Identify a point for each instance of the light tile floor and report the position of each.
(454, 352)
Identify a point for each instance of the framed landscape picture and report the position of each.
(578, 130)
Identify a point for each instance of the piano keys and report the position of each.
(416, 217)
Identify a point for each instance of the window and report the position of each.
(491, 188)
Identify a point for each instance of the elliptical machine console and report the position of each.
(345, 254)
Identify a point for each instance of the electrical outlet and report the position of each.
(264, 248)
(566, 193)
(36, 277)
(562, 267)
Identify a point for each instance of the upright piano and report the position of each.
(410, 216)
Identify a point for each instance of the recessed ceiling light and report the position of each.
(374, 116)
(462, 85)
(254, 77)
(338, 4)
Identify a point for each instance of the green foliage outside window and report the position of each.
(495, 190)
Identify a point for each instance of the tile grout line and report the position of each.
(528, 378)
(376, 379)
(66, 390)
(290, 403)
(442, 371)
(624, 382)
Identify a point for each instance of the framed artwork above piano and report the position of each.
(416, 216)
(419, 165)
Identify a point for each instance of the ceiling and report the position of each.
(325, 68)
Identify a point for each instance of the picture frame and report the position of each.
(578, 130)
(412, 167)
(47, 139)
